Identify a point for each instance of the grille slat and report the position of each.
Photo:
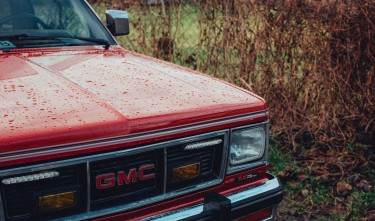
(173, 159)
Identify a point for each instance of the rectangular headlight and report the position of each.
(247, 145)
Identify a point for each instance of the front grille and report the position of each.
(119, 181)
(165, 157)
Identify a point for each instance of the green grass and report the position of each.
(362, 201)
(279, 161)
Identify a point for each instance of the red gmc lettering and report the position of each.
(132, 176)
(105, 181)
(142, 176)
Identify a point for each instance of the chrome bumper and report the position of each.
(234, 206)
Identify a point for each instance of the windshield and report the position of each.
(49, 23)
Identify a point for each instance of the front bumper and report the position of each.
(230, 207)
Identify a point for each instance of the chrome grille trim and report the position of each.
(165, 170)
(201, 145)
(88, 181)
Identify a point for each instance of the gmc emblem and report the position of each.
(108, 180)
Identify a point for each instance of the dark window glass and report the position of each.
(51, 18)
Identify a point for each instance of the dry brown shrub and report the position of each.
(312, 60)
(321, 62)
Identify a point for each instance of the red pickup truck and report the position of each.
(92, 131)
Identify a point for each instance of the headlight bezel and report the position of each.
(253, 163)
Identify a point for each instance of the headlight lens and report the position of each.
(247, 145)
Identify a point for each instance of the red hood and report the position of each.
(62, 96)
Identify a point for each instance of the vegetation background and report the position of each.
(312, 60)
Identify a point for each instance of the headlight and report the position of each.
(247, 145)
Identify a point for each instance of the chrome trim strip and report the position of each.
(165, 171)
(225, 154)
(242, 195)
(31, 177)
(88, 183)
(94, 144)
(236, 197)
(270, 218)
(177, 215)
(204, 144)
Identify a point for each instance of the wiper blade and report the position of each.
(26, 37)
(9, 42)
(93, 40)
(31, 37)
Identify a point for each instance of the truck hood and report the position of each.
(59, 96)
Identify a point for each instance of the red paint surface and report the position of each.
(13, 67)
(229, 185)
(77, 94)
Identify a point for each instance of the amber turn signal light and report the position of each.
(58, 201)
(186, 172)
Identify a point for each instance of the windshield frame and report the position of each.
(111, 39)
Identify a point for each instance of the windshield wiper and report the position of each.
(93, 40)
(31, 37)
(25, 37)
(25, 41)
